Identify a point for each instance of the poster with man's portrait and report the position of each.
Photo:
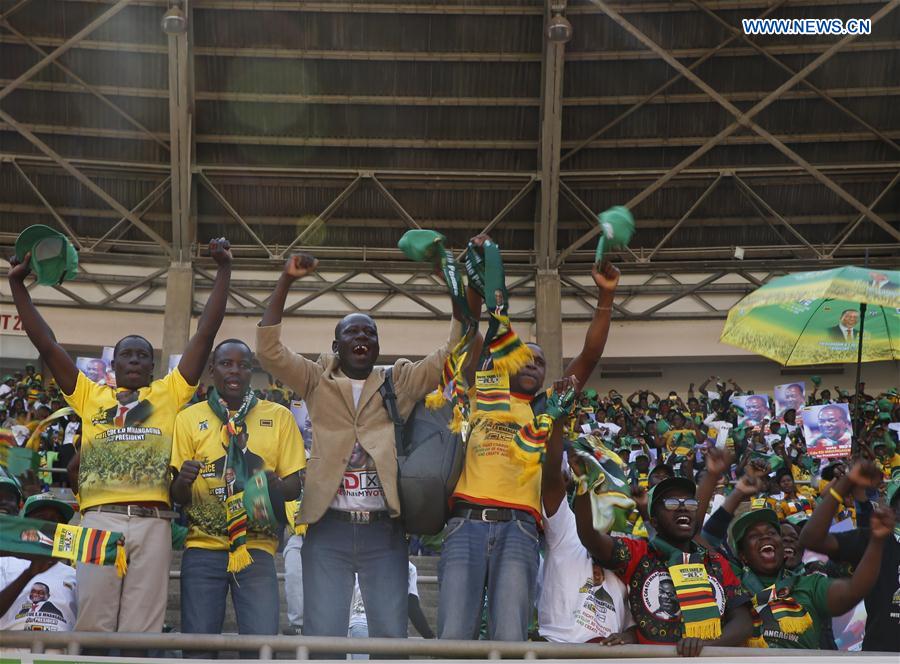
(828, 431)
(789, 396)
(107, 357)
(755, 408)
(92, 367)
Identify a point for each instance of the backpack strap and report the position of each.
(390, 403)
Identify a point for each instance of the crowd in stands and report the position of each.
(707, 517)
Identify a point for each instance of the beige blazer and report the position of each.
(337, 424)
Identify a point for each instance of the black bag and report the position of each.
(429, 459)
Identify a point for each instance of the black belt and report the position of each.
(134, 510)
(491, 514)
(359, 517)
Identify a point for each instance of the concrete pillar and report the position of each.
(179, 303)
(548, 315)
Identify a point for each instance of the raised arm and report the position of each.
(718, 462)
(815, 535)
(196, 353)
(61, 365)
(844, 594)
(599, 545)
(553, 484)
(606, 277)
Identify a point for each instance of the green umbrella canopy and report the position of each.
(804, 318)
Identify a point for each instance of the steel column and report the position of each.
(180, 132)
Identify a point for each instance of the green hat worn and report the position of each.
(420, 244)
(48, 500)
(53, 258)
(590, 393)
(264, 509)
(666, 486)
(743, 523)
(885, 406)
(617, 227)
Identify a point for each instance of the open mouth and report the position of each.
(788, 552)
(360, 350)
(233, 385)
(767, 552)
(684, 521)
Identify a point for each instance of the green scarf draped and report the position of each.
(699, 610)
(236, 514)
(600, 473)
(774, 601)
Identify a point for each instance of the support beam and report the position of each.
(743, 118)
(179, 305)
(323, 216)
(232, 212)
(86, 181)
(59, 220)
(684, 218)
(65, 46)
(845, 234)
(548, 305)
(180, 132)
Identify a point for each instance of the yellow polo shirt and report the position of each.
(127, 462)
(273, 443)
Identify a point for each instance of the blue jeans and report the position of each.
(205, 584)
(499, 557)
(333, 551)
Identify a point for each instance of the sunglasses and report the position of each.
(672, 504)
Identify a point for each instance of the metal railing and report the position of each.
(300, 647)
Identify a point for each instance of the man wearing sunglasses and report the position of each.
(679, 592)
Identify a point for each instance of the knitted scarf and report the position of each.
(63, 541)
(506, 350)
(236, 514)
(531, 439)
(452, 386)
(774, 602)
(699, 610)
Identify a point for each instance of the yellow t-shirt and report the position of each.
(128, 461)
(273, 443)
(492, 474)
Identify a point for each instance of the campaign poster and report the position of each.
(755, 408)
(789, 396)
(107, 357)
(717, 434)
(94, 368)
(828, 431)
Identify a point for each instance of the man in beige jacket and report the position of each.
(350, 499)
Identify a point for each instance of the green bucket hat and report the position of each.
(53, 258)
(744, 522)
(264, 509)
(11, 483)
(48, 500)
(419, 244)
(617, 227)
(667, 485)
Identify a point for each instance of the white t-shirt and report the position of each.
(72, 429)
(361, 488)
(47, 603)
(358, 609)
(571, 609)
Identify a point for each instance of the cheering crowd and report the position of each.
(724, 518)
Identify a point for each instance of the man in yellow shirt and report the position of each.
(270, 442)
(491, 541)
(126, 445)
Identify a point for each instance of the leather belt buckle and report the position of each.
(361, 518)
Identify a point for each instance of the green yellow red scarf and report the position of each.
(774, 601)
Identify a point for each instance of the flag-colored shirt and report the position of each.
(492, 474)
(125, 449)
(273, 443)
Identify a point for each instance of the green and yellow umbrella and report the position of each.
(817, 317)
